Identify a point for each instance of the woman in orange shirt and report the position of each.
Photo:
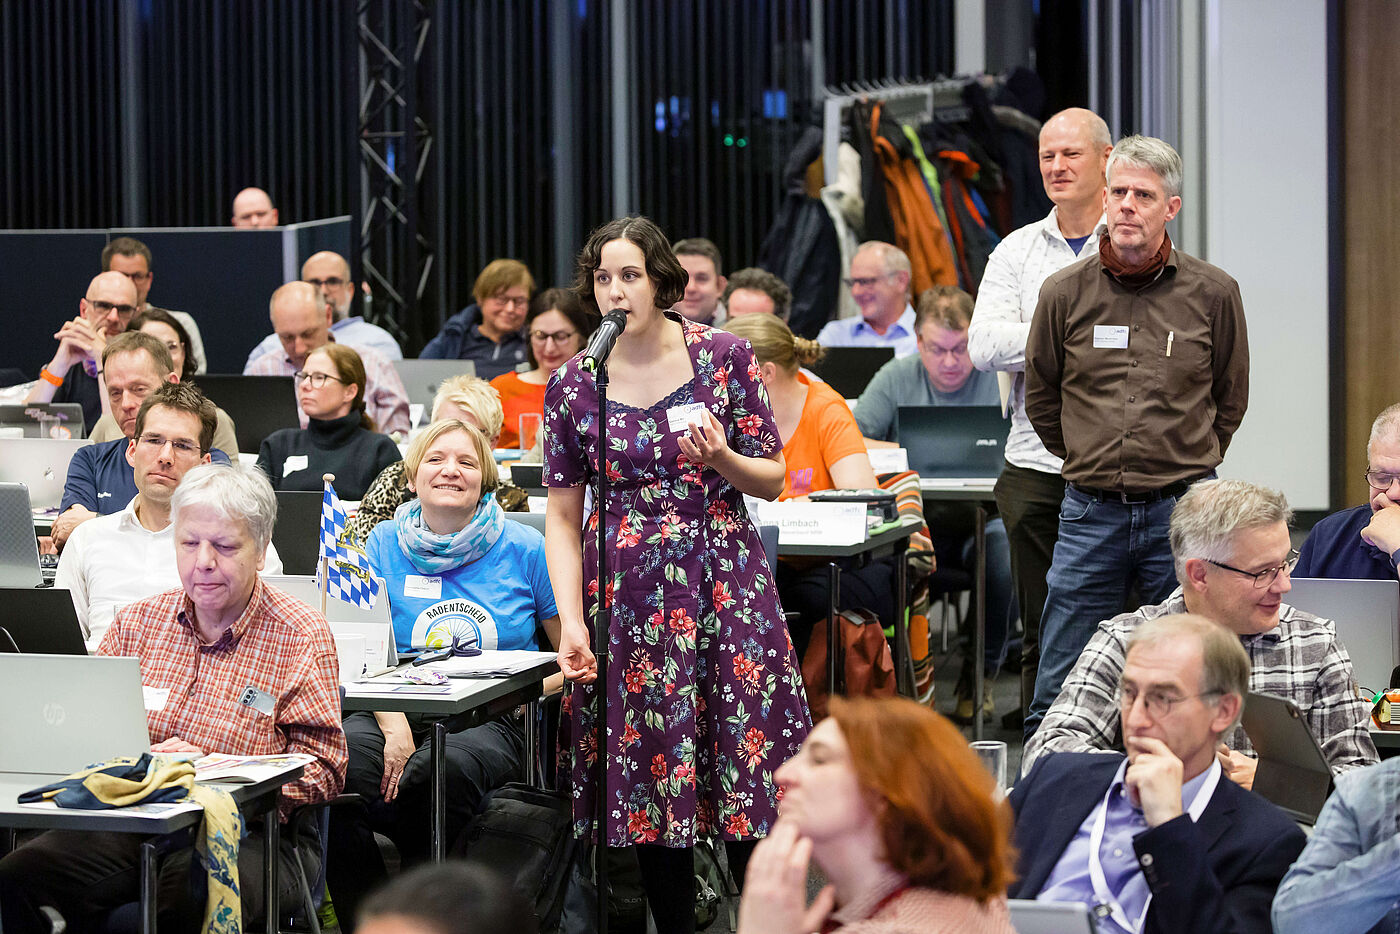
(556, 327)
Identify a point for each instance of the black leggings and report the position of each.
(668, 875)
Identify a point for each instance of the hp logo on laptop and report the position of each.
(55, 714)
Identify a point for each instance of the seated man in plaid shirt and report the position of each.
(1230, 543)
(230, 665)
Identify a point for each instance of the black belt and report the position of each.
(1169, 491)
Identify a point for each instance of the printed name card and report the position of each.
(888, 460)
(815, 523)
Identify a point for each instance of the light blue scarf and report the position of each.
(432, 553)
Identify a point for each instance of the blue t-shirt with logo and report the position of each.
(495, 602)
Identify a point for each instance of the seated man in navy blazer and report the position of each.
(1363, 542)
(1159, 840)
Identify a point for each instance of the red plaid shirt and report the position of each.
(279, 645)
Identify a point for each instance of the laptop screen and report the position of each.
(964, 441)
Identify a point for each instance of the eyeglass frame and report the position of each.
(1160, 698)
(558, 337)
(179, 446)
(1369, 482)
(510, 301)
(317, 380)
(1271, 573)
(105, 308)
(866, 282)
(332, 282)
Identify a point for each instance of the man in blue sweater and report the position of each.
(1363, 542)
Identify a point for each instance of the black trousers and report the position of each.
(85, 876)
(1029, 503)
(479, 760)
(804, 591)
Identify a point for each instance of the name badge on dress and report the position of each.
(297, 462)
(679, 418)
(1112, 336)
(416, 585)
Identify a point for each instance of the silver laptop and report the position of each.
(1032, 917)
(422, 377)
(38, 419)
(1367, 614)
(40, 464)
(19, 549)
(64, 712)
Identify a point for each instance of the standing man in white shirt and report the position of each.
(114, 560)
(879, 282)
(1074, 149)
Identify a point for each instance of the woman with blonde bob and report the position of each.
(904, 822)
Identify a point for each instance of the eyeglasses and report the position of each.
(155, 443)
(334, 282)
(317, 380)
(544, 337)
(1381, 479)
(511, 300)
(1265, 577)
(865, 282)
(106, 308)
(1158, 704)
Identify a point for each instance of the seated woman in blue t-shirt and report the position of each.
(455, 567)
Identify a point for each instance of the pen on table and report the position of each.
(1171, 336)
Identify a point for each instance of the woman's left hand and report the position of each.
(775, 889)
(705, 443)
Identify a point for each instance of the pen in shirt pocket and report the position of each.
(1171, 336)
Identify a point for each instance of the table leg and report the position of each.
(903, 670)
(833, 630)
(438, 759)
(532, 728)
(979, 642)
(148, 887)
(272, 852)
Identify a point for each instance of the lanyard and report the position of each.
(1102, 895)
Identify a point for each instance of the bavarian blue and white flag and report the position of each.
(348, 575)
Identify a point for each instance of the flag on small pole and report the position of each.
(344, 569)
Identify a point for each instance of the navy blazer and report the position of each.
(1216, 874)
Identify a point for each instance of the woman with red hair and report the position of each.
(901, 817)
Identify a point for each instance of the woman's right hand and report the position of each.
(775, 889)
(398, 746)
(576, 659)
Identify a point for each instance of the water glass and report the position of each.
(992, 752)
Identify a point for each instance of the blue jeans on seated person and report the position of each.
(1103, 547)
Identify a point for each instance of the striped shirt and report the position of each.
(279, 645)
(1299, 659)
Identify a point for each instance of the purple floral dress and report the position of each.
(704, 696)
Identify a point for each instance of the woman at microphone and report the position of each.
(703, 698)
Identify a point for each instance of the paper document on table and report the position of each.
(160, 808)
(217, 767)
(490, 663)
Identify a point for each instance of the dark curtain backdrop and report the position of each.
(155, 112)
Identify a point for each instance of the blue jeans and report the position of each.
(1103, 547)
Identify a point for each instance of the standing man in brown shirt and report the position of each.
(1137, 375)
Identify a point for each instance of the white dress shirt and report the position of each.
(1001, 321)
(114, 560)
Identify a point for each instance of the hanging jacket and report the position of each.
(879, 225)
(917, 229)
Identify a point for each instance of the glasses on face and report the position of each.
(511, 300)
(559, 337)
(156, 443)
(317, 380)
(864, 282)
(332, 282)
(1381, 479)
(106, 308)
(1265, 577)
(1159, 704)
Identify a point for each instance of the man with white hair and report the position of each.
(1074, 148)
(879, 283)
(1137, 376)
(1363, 542)
(1231, 552)
(229, 665)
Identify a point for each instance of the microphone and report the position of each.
(601, 344)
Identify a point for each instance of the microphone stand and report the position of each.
(602, 623)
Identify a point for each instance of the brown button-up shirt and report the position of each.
(1159, 397)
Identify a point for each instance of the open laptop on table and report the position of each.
(63, 712)
(849, 370)
(422, 377)
(1032, 917)
(1367, 614)
(40, 620)
(19, 549)
(1293, 772)
(33, 416)
(953, 441)
(41, 464)
(258, 405)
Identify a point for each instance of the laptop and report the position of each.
(1367, 614)
(297, 534)
(422, 377)
(1293, 772)
(258, 405)
(19, 548)
(41, 464)
(40, 620)
(33, 418)
(953, 441)
(64, 712)
(849, 370)
(1032, 917)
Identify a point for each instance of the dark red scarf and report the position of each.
(1134, 277)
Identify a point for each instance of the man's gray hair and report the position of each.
(234, 492)
(1386, 427)
(1206, 518)
(1148, 152)
(1224, 662)
(891, 257)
